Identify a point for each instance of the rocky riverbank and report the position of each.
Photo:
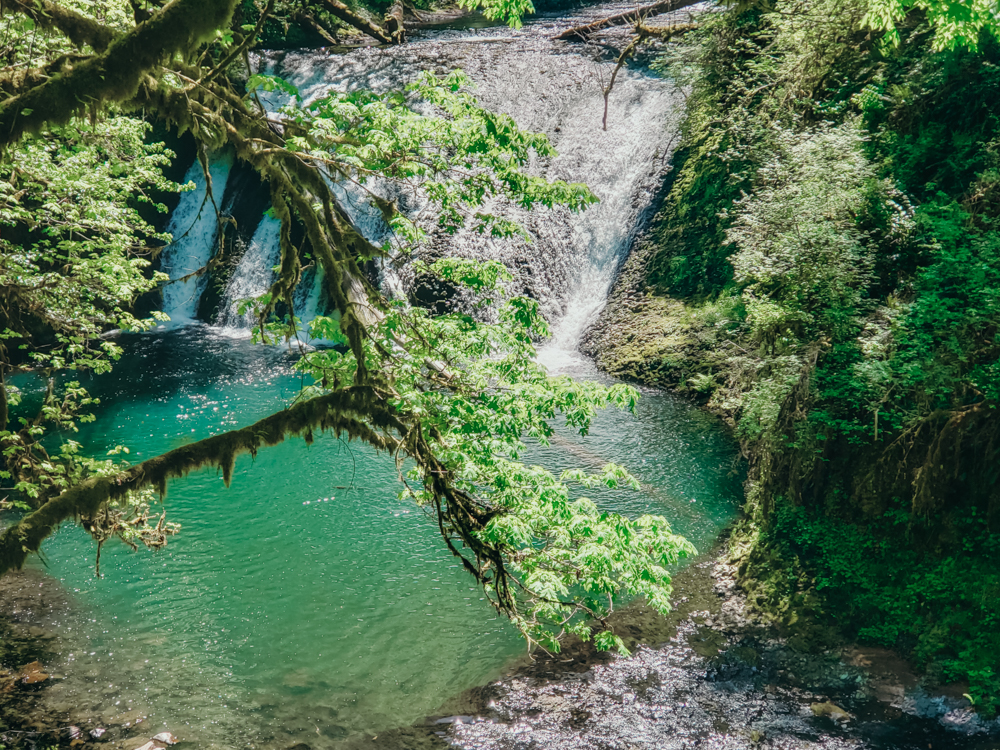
(26, 652)
(39, 706)
(713, 674)
(725, 679)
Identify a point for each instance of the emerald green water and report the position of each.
(289, 610)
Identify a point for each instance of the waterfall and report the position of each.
(252, 276)
(571, 259)
(309, 296)
(194, 227)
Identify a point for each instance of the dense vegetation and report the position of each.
(825, 270)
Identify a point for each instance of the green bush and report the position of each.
(943, 609)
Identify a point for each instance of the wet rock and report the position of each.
(831, 711)
(455, 720)
(33, 673)
(706, 642)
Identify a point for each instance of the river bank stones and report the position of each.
(738, 687)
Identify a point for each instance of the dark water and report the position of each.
(307, 603)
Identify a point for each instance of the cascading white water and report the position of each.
(571, 260)
(309, 297)
(194, 226)
(252, 276)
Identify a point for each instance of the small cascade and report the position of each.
(309, 296)
(310, 300)
(252, 276)
(194, 226)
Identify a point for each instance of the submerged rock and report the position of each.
(33, 673)
(158, 742)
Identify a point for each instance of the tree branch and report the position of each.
(345, 14)
(356, 411)
(625, 19)
(642, 33)
(116, 74)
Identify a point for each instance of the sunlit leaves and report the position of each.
(509, 11)
(956, 23)
(480, 393)
(76, 193)
(264, 82)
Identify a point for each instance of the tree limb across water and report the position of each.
(624, 19)
(341, 11)
(353, 411)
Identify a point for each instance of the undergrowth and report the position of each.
(943, 610)
(825, 273)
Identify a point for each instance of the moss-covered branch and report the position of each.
(114, 75)
(79, 29)
(342, 12)
(356, 412)
(628, 18)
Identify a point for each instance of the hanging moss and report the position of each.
(355, 412)
(115, 74)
